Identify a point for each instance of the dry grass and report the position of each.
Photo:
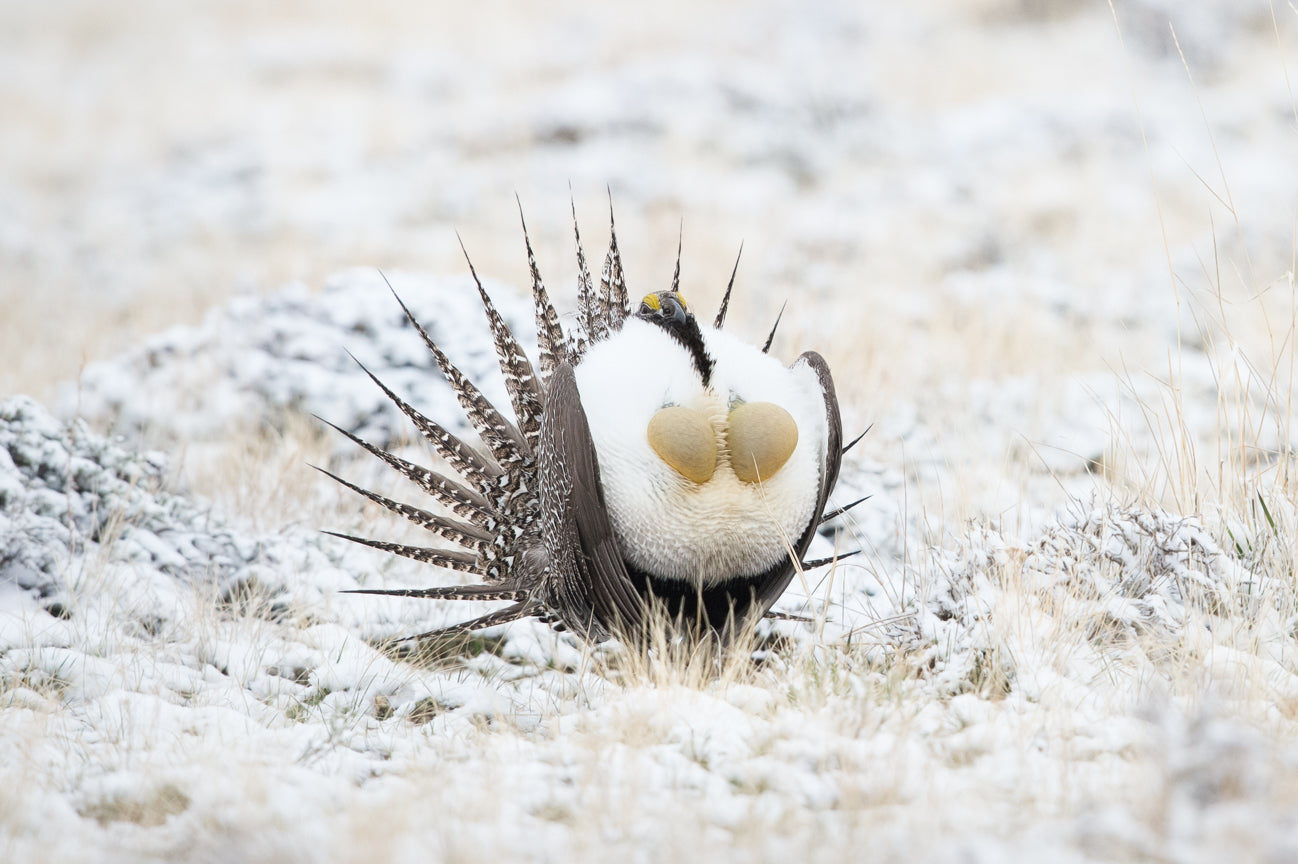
(264, 473)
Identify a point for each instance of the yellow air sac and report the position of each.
(683, 438)
(761, 439)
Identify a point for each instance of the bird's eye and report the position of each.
(646, 309)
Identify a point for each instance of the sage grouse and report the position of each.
(651, 462)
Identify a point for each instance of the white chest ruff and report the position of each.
(670, 526)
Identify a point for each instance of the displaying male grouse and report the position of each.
(652, 462)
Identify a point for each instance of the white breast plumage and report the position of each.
(668, 525)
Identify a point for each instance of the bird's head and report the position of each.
(667, 308)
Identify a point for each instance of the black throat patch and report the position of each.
(670, 314)
(689, 335)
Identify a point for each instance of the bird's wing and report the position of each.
(769, 589)
(834, 424)
(588, 549)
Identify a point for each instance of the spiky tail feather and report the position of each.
(461, 500)
(549, 333)
(461, 533)
(616, 303)
(725, 299)
(520, 379)
(502, 438)
(522, 609)
(588, 330)
(463, 460)
(446, 592)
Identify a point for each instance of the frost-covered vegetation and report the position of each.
(1050, 259)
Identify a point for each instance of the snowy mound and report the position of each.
(67, 494)
(253, 359)
(1118, 586)
(85, 523)
(1115, 587)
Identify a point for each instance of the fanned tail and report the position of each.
(460, 500)
(549, 333)
(601, 311)
(506, 443)
(520, 380)
(496, 535)
(466, 535)
(464, 459)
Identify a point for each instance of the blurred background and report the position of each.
(978, 210)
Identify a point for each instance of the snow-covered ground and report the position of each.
(1046, 246)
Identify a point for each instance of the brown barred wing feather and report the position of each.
(588, 582)
(768, 591)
